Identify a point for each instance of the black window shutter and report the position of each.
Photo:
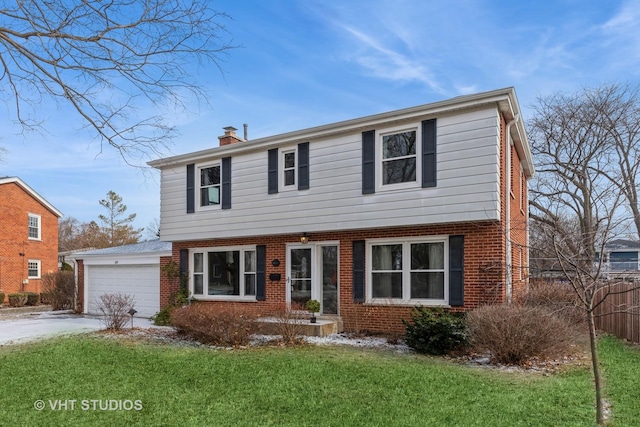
(261, 272)
(272, 171)
(184, 266)
(191, 188)
(369, 162)
(358, 271)
(456, 271)
(226, 183)
(303, 166)
(429, 153)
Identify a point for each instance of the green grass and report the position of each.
(621, 370)
(304, 386)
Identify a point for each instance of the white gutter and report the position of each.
(509, 249)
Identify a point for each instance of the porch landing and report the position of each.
(325, 325)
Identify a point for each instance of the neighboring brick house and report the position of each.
(371, 216)
(28, 237)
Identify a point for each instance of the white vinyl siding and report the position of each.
(467, 187)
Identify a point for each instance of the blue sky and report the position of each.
(306, 63)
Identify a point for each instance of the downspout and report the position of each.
(509, 249)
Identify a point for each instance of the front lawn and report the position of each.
(303, 386)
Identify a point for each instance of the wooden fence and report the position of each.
(619, 314)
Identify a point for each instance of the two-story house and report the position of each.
(371, 216)
(28, 237)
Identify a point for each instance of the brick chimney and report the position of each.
(229, 136)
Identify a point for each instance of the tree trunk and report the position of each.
(596, 367)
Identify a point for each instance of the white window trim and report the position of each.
(380, 187)
(406, 268)
(199, 187)
(35, 261)
(39, 218)
(205, 273)
(281, 177)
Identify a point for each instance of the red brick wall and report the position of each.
(169, 286)
(518, 225)
(483, 284)
(15, 207)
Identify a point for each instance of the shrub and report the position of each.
(435, 331)
(180, 298)
(163, 317)
(288, 324)
(18, 299)
(1, 298)
(515, 333)
(59, 289)
(224, 326)
(115, 310)
(32, 298)
(557, 297)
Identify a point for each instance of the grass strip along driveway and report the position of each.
(92, 380)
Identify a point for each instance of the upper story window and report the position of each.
(289, 167)
(34, 227)
(224, 273)
(401, 158)
(408, 271)
(210, 184)
(33, 267)
(399, 154)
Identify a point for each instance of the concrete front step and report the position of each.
(325, 325)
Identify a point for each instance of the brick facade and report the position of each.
(16, 249)
(483, 284)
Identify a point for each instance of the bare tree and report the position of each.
(619, 107)
(68, 230)
(115, 227)
(575, 203)
(108, 60)
(152, 231)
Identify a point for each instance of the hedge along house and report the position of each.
(371, 216)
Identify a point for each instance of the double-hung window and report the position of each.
(224, 273)
(34, 227)
(289, 168)
(399, 157)
(210, 184)
(33, 267)
(408, 271)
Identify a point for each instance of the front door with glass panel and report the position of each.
(312, 273)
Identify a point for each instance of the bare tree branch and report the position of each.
(109, 60)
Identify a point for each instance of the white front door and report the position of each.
(312, 273)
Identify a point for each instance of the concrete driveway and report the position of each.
(32, 326)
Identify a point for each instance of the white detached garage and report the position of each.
(129, 270)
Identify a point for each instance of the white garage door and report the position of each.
(140, 281)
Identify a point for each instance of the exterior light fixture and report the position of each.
(132, 312)
(304, 238)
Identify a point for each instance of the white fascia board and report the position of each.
(127, 259)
